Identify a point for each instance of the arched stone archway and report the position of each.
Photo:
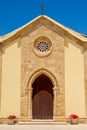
(58, 104)
(54, 88)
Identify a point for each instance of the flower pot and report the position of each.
(11, 122)
(73, 121)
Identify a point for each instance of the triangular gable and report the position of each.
(44, 20)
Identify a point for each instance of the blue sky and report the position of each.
(15, 13)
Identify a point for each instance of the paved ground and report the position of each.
(44, 127)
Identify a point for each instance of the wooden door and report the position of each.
(42, 98)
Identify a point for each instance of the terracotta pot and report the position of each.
(11, 122)
(73, 121)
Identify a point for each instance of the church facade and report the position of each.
(43, 72)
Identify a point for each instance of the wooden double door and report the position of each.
(42, 98)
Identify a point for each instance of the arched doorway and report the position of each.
(42, 98)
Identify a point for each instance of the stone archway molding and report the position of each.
(32, 78)
(37, 73)
(58, 96)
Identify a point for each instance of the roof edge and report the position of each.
(66, 29)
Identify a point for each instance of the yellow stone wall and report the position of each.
(74, 78)
(11, 73)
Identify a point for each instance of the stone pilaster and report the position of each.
(85, 71)
(54, 104)
(30, 103)
(0, 72)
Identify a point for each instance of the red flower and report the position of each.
(11, 117)
(74, 116)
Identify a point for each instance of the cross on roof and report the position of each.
(43, 8)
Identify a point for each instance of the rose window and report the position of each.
(42, 46)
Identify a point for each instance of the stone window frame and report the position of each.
(46, 50)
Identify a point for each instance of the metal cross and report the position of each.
(43, 7)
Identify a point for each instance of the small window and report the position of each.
(42, 46)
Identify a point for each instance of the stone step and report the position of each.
(42, 123)
(39, 120)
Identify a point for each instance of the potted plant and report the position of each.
(12, 119)
(73, 118)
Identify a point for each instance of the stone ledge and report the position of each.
(42, 123)
(26, 120)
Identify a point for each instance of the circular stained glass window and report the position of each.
(42, 46)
